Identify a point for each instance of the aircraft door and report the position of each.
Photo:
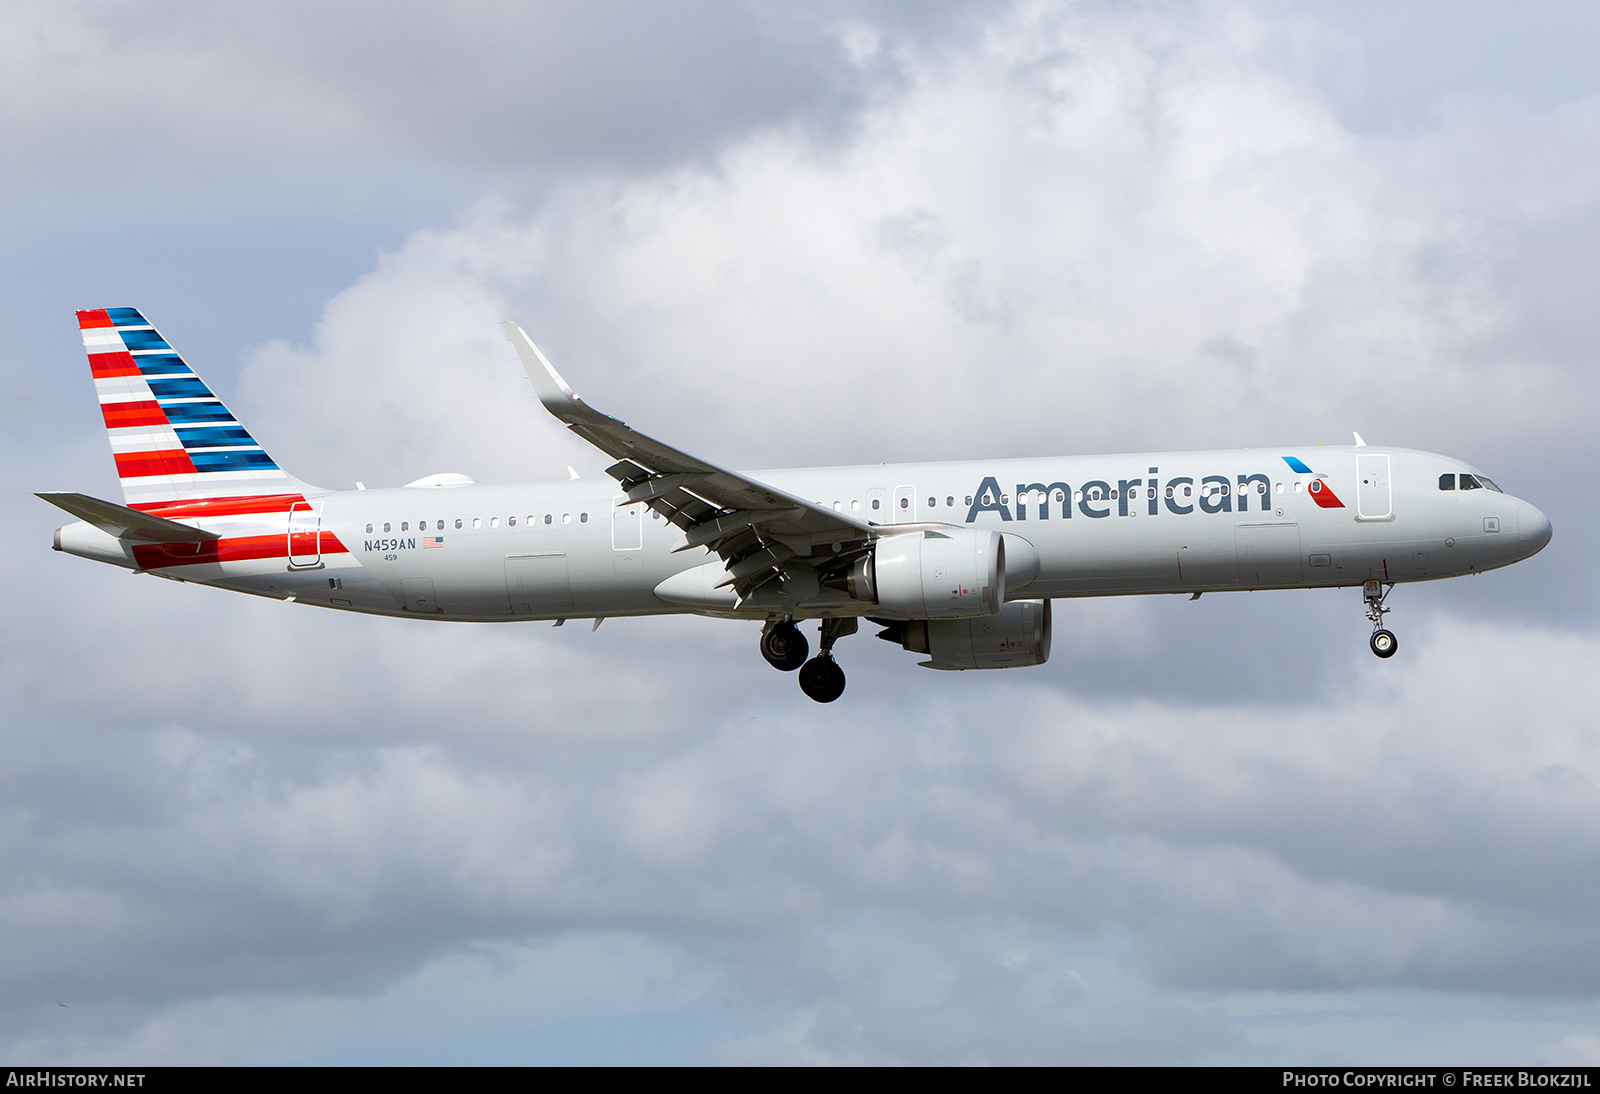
(418, 595)
(627, 525)
(877, 506)
(905, 504)
(539, 583)
(627, 535)
(1269, 553)
(305, 536)
(1374, 498)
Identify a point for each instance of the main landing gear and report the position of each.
(785, 648)
(1383, 642)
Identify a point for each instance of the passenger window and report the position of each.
(1447, 482)
(441, 526)
(385, 526)
(1277, 487)
(855, 505)
(932, 502)
(369, 529)
(874, 503)
(494, 522)
(1060, 497)
(477, 522)
(583, 518)
(566, 518)
(405, 526)
(1297, 485)
(1169, 491)
(458, 522)
(1469, 483)
(1261, 488)
(969, 499)
(950, 502)
(511, 522)
(838, 507)
(547, 518)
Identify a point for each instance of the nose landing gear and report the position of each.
(1383, 641)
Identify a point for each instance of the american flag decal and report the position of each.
(432, 541)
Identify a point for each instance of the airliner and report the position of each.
(957, 562)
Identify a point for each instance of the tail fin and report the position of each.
(171, 437)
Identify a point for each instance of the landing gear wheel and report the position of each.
(822, 679)
(1384, 643)
(784, 647)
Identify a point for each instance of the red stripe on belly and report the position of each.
(157, 556)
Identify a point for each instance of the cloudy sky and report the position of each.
(244, 831)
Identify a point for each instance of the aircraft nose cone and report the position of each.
(1534, 528)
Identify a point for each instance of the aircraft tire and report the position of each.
(1384, 643)
(822, 679)
(784, 647)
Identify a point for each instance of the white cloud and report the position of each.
(1086, 230)
(97, 96)
(1082, 229)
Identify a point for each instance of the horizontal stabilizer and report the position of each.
(125, 523)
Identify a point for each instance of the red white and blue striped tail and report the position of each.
(171, 437)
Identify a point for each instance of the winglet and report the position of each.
(557, 397)
(1359, 442)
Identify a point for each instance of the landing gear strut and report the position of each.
(783, 645)
(1383, 642)
(821, 678)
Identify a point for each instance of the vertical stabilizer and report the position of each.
(171, 437)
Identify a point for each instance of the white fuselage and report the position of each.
(1074, 526)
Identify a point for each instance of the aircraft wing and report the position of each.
(125, 523)
(754, 527)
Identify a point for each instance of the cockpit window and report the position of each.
(1487, 485)
(1469, 483)
(1447, 482)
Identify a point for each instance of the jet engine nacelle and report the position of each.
(1015, 637)
(933, 574)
